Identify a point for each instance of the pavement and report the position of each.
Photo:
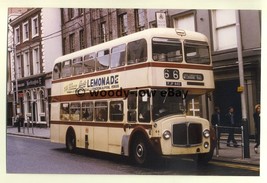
(223, 154)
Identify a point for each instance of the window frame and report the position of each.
(35, 26)
(93, 59)
(122, 55)
(106, 56)
(25, 31)
(17, 35)
(36, 60)
(116, 115)
(216, 40)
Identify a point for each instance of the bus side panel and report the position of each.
(101, 139)
(63, 131)
(114, 140)
(55, 111)
(87, 137)
(54, 133)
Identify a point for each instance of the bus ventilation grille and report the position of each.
(187, 134)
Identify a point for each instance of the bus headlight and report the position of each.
(166, 134)
(206, 133)
(206, 145)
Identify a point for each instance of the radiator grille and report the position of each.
(187, 134)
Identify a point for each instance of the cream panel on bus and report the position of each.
(57, 90)
(159, 79)
(101, 139)
(55, 111)
(115, 139)
(54, 133)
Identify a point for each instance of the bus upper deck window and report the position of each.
(167, 50)
(118, 56)
(77, 65)
(137, 51)
(66, 68)
(196, 52)
(89, 63)
(57, 71)
(102, 61)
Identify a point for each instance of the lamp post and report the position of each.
(242, 88)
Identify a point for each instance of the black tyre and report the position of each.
(71, 141)
(140, 152)
(203, 159)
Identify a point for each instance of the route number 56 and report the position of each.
(171, 74)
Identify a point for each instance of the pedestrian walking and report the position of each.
(231, 123)
(216, 120)
(256, 117)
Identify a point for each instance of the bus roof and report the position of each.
(147, 34)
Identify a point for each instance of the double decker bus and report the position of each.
(130, 96)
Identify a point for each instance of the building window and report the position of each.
(64, 49)
(140, 19)
(18, 71)
(103, 35)
(224, 29)
(81, 37)
(28, 102)
(186, 22)
(35, 26)
(25, 31)
(80, 11)
(123, 26)
(27, 65)
(36, 60)
(71, 13)
(17, 35)
(72, 49)
(42, 101)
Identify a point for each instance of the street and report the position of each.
(38, 156)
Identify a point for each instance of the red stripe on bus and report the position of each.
(103, 124)
(132, 67)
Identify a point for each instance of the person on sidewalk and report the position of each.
(256, 117)
(231, 123)
(216, 120)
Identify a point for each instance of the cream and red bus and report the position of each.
(130, 96)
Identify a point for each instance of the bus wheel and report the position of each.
(203, 159)
(71, 140)
(140, 151)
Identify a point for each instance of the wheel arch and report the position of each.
(138, 132)
(70, 132)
